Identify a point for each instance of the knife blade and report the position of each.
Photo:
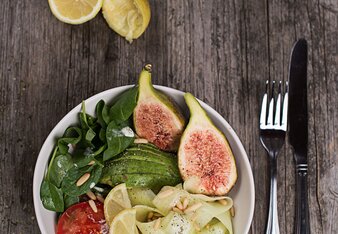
(297, 113)
(298, 130)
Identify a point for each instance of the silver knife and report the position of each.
(298, 131)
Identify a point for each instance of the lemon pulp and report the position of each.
(129, 18)
(75, 11)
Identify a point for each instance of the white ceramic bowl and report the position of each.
(243, 192)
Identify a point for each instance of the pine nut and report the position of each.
(223, 202)
(150, 215)
(196, 227)
(92, 205)
(194, 217)
(165, 193)
(140, 141)
(91, 195)
(91, 163)
(175, 209)
(185, 203)
(232, 211)
(100, 198)
(157, 224)
(179, 205)
(193, 208)
(157, 214)
(83, 179)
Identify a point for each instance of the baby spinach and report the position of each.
(86, 121)
(82, 157)
(90, 134)
(70, 200)
(102, 113)
(72, 135)
(58, 169)
(94, 139)
(102, 135)
(51, 196)
(119, 137)
(69, 186)
(88, 124)
(124, 106)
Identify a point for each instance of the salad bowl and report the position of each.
(243, 193)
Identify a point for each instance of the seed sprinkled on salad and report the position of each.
(91, 163)
(196, 227)
(92, 205)
(193, 208)
(194, 217)
(179, 205)
(100, 198)
(232, 211)
(91, 195)
(150, 215)
(177, 210)
(83, 179)
(140, 141)
(223, 202)
(185, 203)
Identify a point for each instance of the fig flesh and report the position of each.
(205, 159)
(156, 117)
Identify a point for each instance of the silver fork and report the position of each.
(273, 125)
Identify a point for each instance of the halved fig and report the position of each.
(156, 117)
(205, 159)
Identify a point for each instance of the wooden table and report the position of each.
(222, 51)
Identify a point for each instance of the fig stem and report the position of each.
(148, 67)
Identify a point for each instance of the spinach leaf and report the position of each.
(58, 168)
(72, 135)
(90, 134)
(51, 196)
(102, 135)
(124, 106)
(119, 137)
(69, 186)
(88, 124)
(70, 200)
(82, 158)
(102, 113)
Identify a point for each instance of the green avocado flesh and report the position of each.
(142, 165)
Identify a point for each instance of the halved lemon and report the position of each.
(116, 201)
(124, 222)
(129, 18)
(75, 11)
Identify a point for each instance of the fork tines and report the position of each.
(274, 115)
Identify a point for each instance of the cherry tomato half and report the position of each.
(81, 219)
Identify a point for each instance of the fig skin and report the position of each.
(205, 159)
(156, 117)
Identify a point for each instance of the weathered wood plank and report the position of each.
(287, 22)
(222, 51)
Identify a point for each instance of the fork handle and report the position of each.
(272, 225)
(302, 225)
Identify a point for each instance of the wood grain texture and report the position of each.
(222, 51)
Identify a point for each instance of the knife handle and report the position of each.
(302, 225)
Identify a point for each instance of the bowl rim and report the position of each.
(40, 162)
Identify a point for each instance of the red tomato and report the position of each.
(81, 219)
